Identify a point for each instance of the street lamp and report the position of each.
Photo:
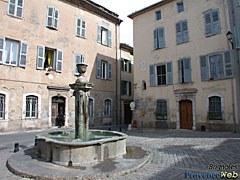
(230, 38)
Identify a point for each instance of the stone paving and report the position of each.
(175, 152)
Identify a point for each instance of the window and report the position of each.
(159, 38)
(52, 17)
(161, 74)
(2, 106)
(184, 70)
(144, 86)
(180, 7)
(49, 58)
(217, 66)
(158, 15)
(238, 2)
(212, 22)
(182, 32)
(107, 109)
(31, 107)
(81, 28)
(90, 107)
(161, 111)
(104, 36)
(13, 52)
(215, 112)
(126, 65)
(79, 58)
(237, 36)
(126, 88)
(104, 69)
(15, 8)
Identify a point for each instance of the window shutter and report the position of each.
(187, 70)
(122, 64)
(213, 66)
(204, 68)
(208, 24)
(83, 59)
(155, 38)
(161, 39)
(2, 42)
(219, 66)
(110, 70)
(59, 60)
(179, 71)
(11, 7)
(169, 73)
(130, 88)
(40, 58)
(237, 36)
(122, 87)
(78, 60)
(23, 54)
(20, 4)
(228, 63)
(216, 25)
(129, 66)
(78, 29)
(56, 14)
(179, 33)
(185, 37)
(110, 38)
(152, 75)
(83, 31)
(98, 68)
(99, 34)
(50, 16)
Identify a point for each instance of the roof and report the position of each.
(126, 47)
(149, 8)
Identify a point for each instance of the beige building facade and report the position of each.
(184, 70)
(40, 44)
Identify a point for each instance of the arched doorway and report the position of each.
(186, 114)
(58, 104)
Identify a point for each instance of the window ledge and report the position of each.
(20, 18)
(83, 37)
(28, 118)
(105, 45)
(52, 28)
(160, 48)
(182, 42)
(3, 120)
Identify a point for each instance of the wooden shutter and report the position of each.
(59, 61)
(78, 60)
(40, 57)
(20, 4)
(213, 66)
(122, 64)
(98, 68)
(185, 37)
(11, 7)
(216, 25)
(50, 14)
(237, 36)
(83, 29)
(152, 75)
(129, 88)
(99, 35)
(161, 38)
(155, 38)
(122, 88)
(179, 70)
(219, 66)
(129, 66)
(23, 54)
(228, 63)
(2, 42)
(179, 33)
(169, 73)
(56, 14)
(78, 29)
(204, 68)
(110, 70)
(187, 70)
(208, 23)
(110, 38)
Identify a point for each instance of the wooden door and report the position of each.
(54, 113)
(127, 114)
(186, 117)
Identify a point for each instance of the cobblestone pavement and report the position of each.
(174, 152)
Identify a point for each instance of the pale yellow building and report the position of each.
(184, 71)
(40, 44)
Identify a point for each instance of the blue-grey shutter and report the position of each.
(169, 73)
(50, 16)
(59, 61)
(238, 2)
(155, 38)
(56, 14)
(161, 38)
(216, 24)
(213, 67)
(185, 37)
(98, 68)
(19, 9)
(2, 42)
(179, 33)
(78, 60)
(78, 28)
(99, 34)
(40, 57)
(187, 69)
(204, 68)
(179, 71)
(11, 7)
(219, 68)
(110, 38)
(110, 70)
(152, 75)
(23, 54)
(237, 36)
(228, 64)
(83, 28)
(208, 23)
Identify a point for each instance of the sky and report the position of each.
(123, 8)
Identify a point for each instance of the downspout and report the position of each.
(116, 42)
(120, 93)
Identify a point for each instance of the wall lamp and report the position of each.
(230, 38)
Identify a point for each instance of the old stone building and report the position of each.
(40, 44)
(183, 55)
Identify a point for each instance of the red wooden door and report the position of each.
(186, 117)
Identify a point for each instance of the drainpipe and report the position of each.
(116, 42)
(120, 84)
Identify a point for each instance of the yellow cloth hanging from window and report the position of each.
(49, 58)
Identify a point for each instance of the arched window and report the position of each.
(161, 111)
(31, 106)
(215, 110)
(90, 107)
(2, 106)
(107, 107)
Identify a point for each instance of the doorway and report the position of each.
(186, 115)
(127, 114)
(58, 104)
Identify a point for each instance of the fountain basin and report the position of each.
(61, 148)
